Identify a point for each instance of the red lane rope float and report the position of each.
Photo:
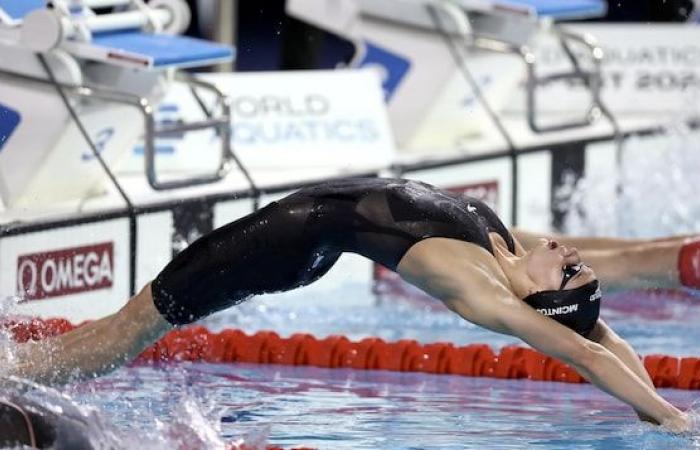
(196, 343)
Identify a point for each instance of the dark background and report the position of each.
(269, 40)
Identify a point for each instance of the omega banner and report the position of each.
(66, 271)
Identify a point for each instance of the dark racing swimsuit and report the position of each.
(295, 241)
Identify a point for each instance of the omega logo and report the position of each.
(66, 271)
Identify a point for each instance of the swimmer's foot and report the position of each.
(681, 423)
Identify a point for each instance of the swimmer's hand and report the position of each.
(679, 423)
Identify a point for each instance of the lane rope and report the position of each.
(196, 343)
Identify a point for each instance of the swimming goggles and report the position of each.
(568, 272)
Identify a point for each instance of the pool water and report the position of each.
(342, 409)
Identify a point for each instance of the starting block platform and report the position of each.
(13, 11)
(156, 50)
(566, 9)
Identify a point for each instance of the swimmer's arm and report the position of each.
(605, 336)
(624, 263)
(502, 312)
(94, 348)
(530, 239)
(470, 282)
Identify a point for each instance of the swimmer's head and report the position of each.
(549, 266)
(555, 267)
(564, 287)
(552, 279)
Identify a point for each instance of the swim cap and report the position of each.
(26, 423)
(16, 427)
(577, 308)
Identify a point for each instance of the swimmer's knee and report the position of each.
(585, 353)
(182, 298)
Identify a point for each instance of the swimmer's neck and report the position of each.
(498, 241)
(513, 265)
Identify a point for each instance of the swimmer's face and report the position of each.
(549, 266)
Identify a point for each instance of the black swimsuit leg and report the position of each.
(270, 250)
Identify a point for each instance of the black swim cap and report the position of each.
(577, 309)
(16, 427)
(26, 423)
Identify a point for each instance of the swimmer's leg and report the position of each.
(94, 348)
(102, 346)
(268, 251)
(277, 248)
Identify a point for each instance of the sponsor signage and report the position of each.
(392, 67)
(309, 118)
(281, 120)
(647, 69)
(9, 119)
(55, 273)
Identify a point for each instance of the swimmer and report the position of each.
(25, 424)
(452, 247)
(37, 417)
(48, 420)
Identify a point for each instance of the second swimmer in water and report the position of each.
(453, 247)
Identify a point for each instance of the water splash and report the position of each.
(74, 426)
(82, 426)
(166, 407)
(86, 426)
(652, 437)
(8, 347)
(652, 193)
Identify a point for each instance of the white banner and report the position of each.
(297, 119)
(79, 272)
(647, 70)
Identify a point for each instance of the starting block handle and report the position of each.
(590, 78)
(104, 3)
(124, 20)
(166, 130)
(44, 29)
(222, 124)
